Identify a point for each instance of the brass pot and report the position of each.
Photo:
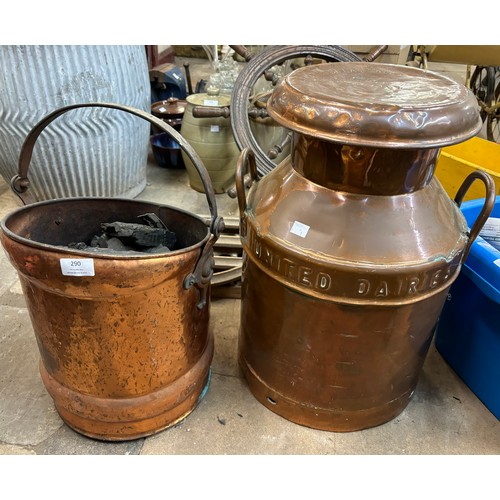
(351, 244)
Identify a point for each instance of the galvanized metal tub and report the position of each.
(86, 150)
(124, 341)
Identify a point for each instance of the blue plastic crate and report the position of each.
(468, 332)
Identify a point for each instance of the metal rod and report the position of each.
(188, 78)
(375, 52)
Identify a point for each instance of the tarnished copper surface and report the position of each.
(350, 250)
(378, 104)
(336, 325)
(331, 365)
(124, 353)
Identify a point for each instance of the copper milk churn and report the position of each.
(351, 243)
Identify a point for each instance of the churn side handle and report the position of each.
(246, 160)
(489, 204)
(203, 271)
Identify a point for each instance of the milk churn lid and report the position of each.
(375, 104)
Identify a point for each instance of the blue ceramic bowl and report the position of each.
(166, 151)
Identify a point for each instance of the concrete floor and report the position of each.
(443, 418)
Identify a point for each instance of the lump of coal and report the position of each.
(117, 245)
(141, 235)
(149, 236)
(79, 245)
(99, 241)
(137, 234)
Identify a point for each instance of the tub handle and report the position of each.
(489, 204)
(246, 160)
(203, 270)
